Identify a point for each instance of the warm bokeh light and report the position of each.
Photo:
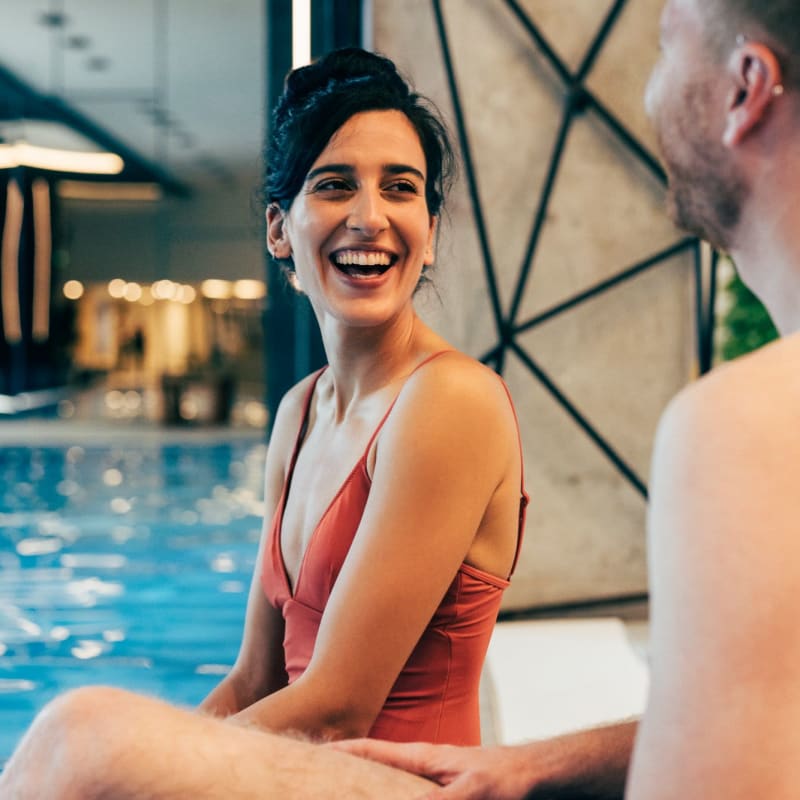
(147, 298)
(116, 288)
(216, 289)
(188, 408)
(186, 294)
(255, 414)
(114, 399)
(249, 289)
(132, 292)
(164, 289)
(73, 290)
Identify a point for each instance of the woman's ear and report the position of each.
(278, 242)
(430, 247)
(757, 82)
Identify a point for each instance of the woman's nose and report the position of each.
(367, 214)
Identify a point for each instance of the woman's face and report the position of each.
(359, 231)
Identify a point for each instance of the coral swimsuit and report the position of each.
(435, 696)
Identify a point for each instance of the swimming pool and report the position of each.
(123, 565)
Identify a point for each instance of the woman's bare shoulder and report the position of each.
(456, 374)
(456, 390)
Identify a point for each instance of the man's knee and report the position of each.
(70, 746)
(86, 712)
(85, 731)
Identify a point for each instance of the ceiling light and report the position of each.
(47, 145)
(53, 19)
(22, 154)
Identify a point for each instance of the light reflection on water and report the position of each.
(126, 567)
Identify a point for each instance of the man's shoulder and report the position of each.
(755, 391)
(724, 443)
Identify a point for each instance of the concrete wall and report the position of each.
(618, 357)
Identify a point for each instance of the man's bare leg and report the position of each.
(106, 743)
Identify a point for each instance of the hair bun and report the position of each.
(346, 65)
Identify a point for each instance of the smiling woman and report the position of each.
(393, 485)
(394, 474)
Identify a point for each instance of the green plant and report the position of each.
(746, 325)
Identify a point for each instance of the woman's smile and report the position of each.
(362, 266)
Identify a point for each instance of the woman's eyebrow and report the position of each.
(401, 169)
(347, 170)
(339, 169)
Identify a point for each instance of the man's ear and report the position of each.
(756, 75)
(278, 242)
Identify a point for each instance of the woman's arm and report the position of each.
(259, 669)
(441, 456)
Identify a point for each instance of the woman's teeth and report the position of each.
(362, 264)
(360, 258)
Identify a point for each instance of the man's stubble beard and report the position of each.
(706, 192)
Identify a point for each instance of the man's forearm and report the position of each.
(587, 765)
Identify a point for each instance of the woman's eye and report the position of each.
(402, 186)
(332, 185)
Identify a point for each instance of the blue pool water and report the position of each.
(127, 566)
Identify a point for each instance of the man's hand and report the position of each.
(585, 764)
(463, 773)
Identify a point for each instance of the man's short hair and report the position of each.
(775, 22)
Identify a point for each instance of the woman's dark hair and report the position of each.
(318, 99)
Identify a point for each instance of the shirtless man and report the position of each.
(723, 718)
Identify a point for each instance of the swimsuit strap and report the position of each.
(301, 432)
(524, 497)
(307, 407)
(391, 406)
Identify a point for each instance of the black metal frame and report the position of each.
(578, 99)
(293, 343)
